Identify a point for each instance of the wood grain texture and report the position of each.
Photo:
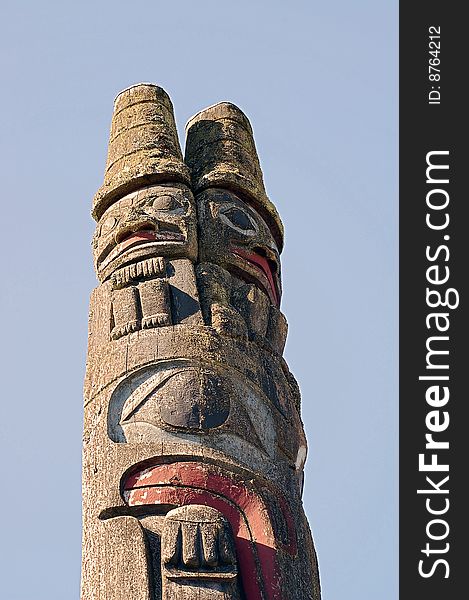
(193, 446)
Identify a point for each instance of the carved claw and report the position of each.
(158, 320)
(124, 329)
(197, 543)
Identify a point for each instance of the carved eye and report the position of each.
(239, 220)
(128, 201)
(166, 202)
(108, 224)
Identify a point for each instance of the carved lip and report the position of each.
(138, 237)
(262, 264)
(145, 235)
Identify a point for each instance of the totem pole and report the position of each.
(193, 442)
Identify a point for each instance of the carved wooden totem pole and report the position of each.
(193, 442)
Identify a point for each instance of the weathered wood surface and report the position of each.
(193, 442)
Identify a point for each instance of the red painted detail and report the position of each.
(205, 476)
(291, 547)
(196, 483)
(182, 496)
(137, 237)
(144, 235)
(260, 262)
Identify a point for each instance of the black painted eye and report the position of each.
(239, 219)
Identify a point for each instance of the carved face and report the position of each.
(158, 220)
(234, 236)
(195, 403)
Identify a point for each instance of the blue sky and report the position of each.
(318, 81)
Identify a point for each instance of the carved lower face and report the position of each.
(234, 236)
(155, 221)
(223, 535)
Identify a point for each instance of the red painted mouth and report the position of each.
(262, 264)
(256, 538)
(146, 235)
(137, 237)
